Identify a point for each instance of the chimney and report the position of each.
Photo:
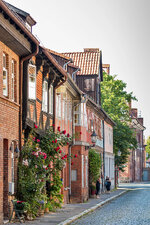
(140, 119)
(134, 112)
(96, 50)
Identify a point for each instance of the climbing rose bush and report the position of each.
(41, 161)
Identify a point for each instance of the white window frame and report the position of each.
(77, 113)
(45, 96)
(51, 99)
(32, 91)
(5, 81)
(58, 105)
(13, 80)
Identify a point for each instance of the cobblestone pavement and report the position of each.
(132, 208)
(70, 210)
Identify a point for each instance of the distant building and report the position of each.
(136, 160)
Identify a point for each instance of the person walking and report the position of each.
(107, 184)
(98, 187)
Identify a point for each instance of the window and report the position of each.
(73, 175)
(77, 118)
(85, 116)
(32, 81)
(45, 96)
(51, 99)
(89, 84)
(58, 105)
(13, 80)
(5, 78)
(28, 26)
(91, 125)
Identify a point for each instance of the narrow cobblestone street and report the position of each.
(132, 208)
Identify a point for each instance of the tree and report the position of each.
(148, 147)
(115, 101)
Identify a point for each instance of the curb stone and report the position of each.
(70, 220)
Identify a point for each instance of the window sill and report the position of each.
(9, 100)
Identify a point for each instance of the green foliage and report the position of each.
(148, 147)
(40, 167)
(115, 101)
(94, 165)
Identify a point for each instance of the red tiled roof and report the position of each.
(88, 61)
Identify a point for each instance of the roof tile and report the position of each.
(88, 61)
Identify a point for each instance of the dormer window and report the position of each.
(28, 26)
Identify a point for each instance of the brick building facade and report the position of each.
(136, 160)
(19, 43)
(39, 86)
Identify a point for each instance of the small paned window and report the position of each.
(77, 115)
(13, 80)
(45, 96)
(5, 76)
(91, 125)
(73, 175)
(32, 81)
(58, 105)
(51, 99)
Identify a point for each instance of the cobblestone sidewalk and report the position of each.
(70, 212)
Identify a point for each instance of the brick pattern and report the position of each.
(9, 127)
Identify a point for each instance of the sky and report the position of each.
(120, 28)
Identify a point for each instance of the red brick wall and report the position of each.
(9, 125)
(79, 193)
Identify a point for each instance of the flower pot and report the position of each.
(93, 192)
(46, 210)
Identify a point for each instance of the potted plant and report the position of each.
(93, 189)
(48, 206)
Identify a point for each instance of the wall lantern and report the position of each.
(93, 139)
(17, 149)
